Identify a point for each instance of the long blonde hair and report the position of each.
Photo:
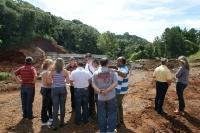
(46, 64)
(185, 62)
(59, 65)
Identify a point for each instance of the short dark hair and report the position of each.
(163, 61)
(88, 55)
(104, 62)
(122, 58)
(80, 64)
(95, 61)
(28, 60)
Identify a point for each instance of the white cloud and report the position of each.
(145, 18)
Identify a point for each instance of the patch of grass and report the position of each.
(4, 76)
(194, 56)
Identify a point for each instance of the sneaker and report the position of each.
(50, 119)
(45, 124)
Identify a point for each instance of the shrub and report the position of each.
(4, 76)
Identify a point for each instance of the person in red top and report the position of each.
(71, 67)
(26, 76)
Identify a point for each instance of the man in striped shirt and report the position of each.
(26, 75)
(122, 87)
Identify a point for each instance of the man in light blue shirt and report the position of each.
(104, 82)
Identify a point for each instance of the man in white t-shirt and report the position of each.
(89, 67)
(80, 80)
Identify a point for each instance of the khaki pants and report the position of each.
(120, 118)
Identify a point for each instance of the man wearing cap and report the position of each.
(162, 76)
(26, 76)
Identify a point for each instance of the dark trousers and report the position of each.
(161, 90)
(180, 87)
(91, 100)
(46, 112)
(120, 118)
(81, 100)
(59, 95)
(72, 97)
(96, 100)
(27, 98)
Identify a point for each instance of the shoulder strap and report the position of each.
(89, 69)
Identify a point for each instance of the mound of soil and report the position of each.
(11, 55)
(45, 45)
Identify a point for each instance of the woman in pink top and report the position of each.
(46, 112)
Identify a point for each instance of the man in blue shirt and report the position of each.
(104, 82)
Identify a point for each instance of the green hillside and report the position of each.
(21, 22)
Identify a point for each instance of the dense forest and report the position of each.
(20, 22)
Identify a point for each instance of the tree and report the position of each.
(27, 25)
(107, 43)
(0, 38)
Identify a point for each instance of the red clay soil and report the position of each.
(47, 46)
(10, 56)
(139, 114)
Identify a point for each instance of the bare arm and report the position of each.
(16, 76)
(96, 88)
(66, 76)
(109, 89)
(35, 76)
(123, 75)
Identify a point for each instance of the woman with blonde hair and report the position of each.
(59, 77)
(182, 82)
(46, 112)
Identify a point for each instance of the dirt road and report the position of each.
(139, 114)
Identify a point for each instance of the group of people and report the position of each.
(96, 89)
(163, 79)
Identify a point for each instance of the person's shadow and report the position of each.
(23, 126)
(177, 124)
(124, 129)
(194, 121)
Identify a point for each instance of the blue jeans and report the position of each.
(58, 95)
(180, 87)
(27, 98)
(107, 115)
(81, 100)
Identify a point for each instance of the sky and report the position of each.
(144, 18)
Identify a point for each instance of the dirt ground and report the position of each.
(139, 114)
